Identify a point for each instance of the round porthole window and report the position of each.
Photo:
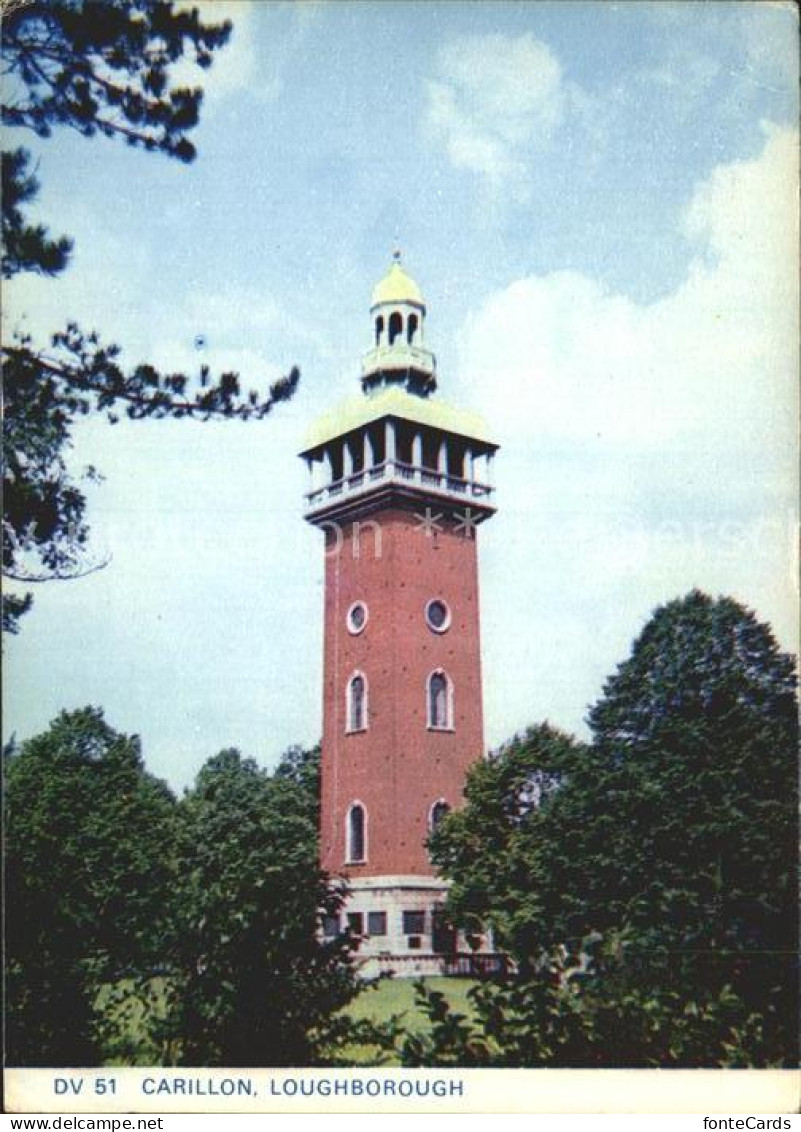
(357, 617)
(438, 616)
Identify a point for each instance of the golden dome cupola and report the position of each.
(397, 287)
(398, 356)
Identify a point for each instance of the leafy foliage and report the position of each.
(645, 887)
(155, 932)
(26, 247)
(14, 607)
(88, 877)
(302, 767)
(453, 1040)
(597, 1005)
(256, 984)
(486, 847)
(99, 68)
(103, 66)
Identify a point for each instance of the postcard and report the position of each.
(400, 589)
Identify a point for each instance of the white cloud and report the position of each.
(492, 96)
(717, 351)
(683, 76)
(244, 64)
(646, 449)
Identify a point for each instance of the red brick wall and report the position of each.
(397, 768)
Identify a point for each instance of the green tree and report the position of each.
(100, 67)
(255, 983)
(490, 849)
(703, 720)
(89, 870)
(302, 766)
(649, 899)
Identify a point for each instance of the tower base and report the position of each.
(400, 922)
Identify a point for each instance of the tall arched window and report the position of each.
(440, 701)
(411, 328)
(437, 813)
(379, 329)
(395, 326)
(357, 833)
(357, 703)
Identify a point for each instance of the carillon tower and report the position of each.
(400, 483)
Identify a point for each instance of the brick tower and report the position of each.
(399, 484)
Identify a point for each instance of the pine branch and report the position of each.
(59, 575)
(98, 376)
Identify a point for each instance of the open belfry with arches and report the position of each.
(400, 483)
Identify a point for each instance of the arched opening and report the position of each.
(357, 703)
(403, 442)
(356, 447)
(379, 329)
(377, 444)
(440, 701)
(411, 328)
(357, 830)
(334, 451)
(431, 443)
(456, 460)
(395, 326)
(437, 812)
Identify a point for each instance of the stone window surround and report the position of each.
(379, 919)
(416, 916)
(349, 857)
(449, 717)
(353, 629)
(440, 802)
(446, 624)
(350, 729)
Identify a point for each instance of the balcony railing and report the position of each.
(398, 356)
(395, 471)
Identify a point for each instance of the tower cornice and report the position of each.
(358, 412)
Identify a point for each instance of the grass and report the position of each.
(397, 997)
(126, 1042)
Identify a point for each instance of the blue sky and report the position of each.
(598, 201)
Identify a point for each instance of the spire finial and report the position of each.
(396, 254)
